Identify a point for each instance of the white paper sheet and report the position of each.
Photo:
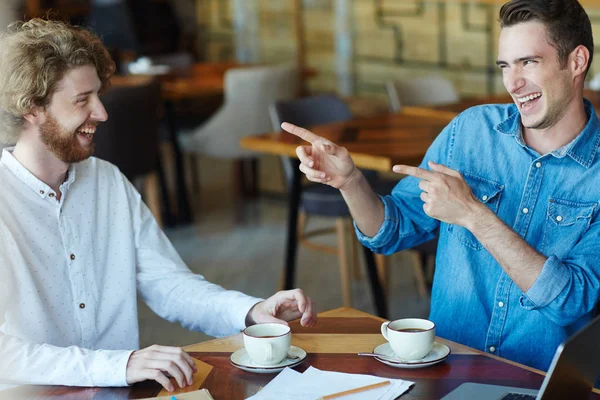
(315, 383)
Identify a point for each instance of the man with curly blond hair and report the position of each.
(77, 244)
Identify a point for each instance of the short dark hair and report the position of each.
(566, 22)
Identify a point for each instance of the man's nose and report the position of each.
(513, 81)
(99, 112)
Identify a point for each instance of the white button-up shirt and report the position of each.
(70, 271)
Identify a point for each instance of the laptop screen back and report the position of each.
(575, 366)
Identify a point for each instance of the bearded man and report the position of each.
(77, 244)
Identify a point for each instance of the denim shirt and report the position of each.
(552, 201)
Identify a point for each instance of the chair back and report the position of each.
(307, 112)
(424, 91)
(129, 138)
(245, 112)
(258, 87)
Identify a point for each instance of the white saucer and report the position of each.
(241, 360)
(439, 352)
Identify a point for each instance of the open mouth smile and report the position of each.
(527, 102)
(87, 132)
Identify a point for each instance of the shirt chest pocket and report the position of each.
(566, 222)
(486, 191)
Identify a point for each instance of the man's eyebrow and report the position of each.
(84, 93)
(532, 57)
(519, 60)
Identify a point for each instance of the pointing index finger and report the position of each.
(414, 171)
(302, 133)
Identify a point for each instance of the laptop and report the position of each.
(572, 374)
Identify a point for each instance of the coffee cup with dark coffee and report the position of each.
(410, 338)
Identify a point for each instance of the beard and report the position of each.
(63, 144)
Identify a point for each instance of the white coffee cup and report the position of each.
(410, 338)
(267, 344)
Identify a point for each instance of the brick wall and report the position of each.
(390, 39)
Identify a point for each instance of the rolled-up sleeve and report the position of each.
(567, 289)
(380, 239)
(550, 283)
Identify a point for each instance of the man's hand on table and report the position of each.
(282, 307)
(155, 362)
(445, 193)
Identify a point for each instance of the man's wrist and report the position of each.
(352, 182)
(478, 218)
(249, 318)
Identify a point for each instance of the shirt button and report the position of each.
(42, 192)
(500, 304)
(492, 349)
(538, 164)
(72, 256)
(525, 210)
(559, 218)
(82, 306)
(484, 198)
(51, 195)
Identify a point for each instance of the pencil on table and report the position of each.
(357, 390)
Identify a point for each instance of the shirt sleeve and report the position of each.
(567, 289)
(175, 293)
(24, 362)
(43, 364)
(405, 224)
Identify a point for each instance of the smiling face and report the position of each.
(70, 120)
(540, 86)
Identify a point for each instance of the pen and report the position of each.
(173, 398)
(357, 390)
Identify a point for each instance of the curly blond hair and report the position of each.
(34, 57)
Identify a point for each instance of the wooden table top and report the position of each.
(375, 143)
(331, 345)
(197, 81)
(200, 80)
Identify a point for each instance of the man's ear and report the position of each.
(35, 116)
(580, 57)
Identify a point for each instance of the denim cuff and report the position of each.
(549, 284)
(382, 236)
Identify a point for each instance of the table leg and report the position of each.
(292, 225)
(378, 293)
(183, 207)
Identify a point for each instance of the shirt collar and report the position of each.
(582, 149)
(25, 176)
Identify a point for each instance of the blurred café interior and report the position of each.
(200, 82)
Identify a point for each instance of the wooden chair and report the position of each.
(318, 199)
(248, 93)
(422, 91)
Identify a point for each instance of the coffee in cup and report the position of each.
(267, 344)
(410, 338)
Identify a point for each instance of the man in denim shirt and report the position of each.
(513, 190)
